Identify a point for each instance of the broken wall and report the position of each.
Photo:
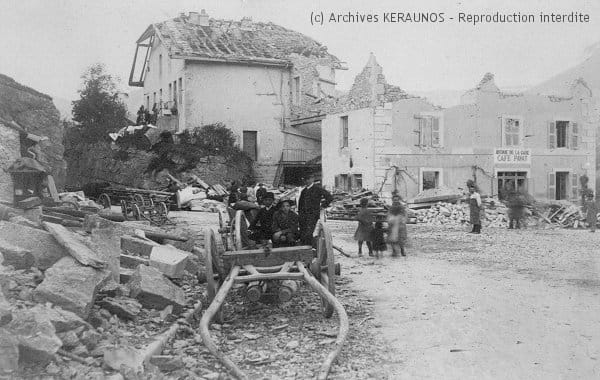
(10, 150)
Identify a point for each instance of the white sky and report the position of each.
(48, 44)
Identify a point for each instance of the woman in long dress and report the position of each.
(475, 209)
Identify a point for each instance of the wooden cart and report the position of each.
(268, 268)
(138, 204)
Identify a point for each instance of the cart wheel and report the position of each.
(151, 202)
(138, 199)
(162, 209)
(135, 210)
(104, 200)
(240, 231)
(211, 261)
(325, 258)
(124, 209)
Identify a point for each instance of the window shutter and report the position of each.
(435, 132)
(341, 129)
(552, 135)
(337, 181)
(574, 186)
(551, 186)
(418, 131)
(574, 136)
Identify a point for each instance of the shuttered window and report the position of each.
(551, 135)
(343, 131)
(574, 136)
(574, 186)
(429, 132)
(551, 186)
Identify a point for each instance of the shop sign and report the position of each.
(512, 156)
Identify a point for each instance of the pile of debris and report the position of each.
(564, 214)
(92, 295)
(346, 206)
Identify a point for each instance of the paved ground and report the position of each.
(503, 305)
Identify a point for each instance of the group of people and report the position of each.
(372, 232)
(279, 223)
(144, 116)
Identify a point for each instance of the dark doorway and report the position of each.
(509, 181)
(249, 139)
(562, 181)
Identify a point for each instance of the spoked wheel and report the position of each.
(104, 200)
(163, 209)
(214, 269)
(124, 209)
(240, 231)
(135, 210)
(326, 263)
(138, 199)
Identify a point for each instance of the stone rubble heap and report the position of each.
(78, 295)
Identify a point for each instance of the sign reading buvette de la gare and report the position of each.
(512, 156)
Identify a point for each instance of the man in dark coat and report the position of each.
(285, 225)
(261, 192)
(262, 226)
(312, 199)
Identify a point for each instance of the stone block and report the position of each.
(17, 257)
(42, 245)
(125, 275)
(36, 335)
(71, 286)
(5, 311)
(9, 354)
(132, 245)
(62, 320)
(122, 307)
(128, 261)
(153, 290)
(169, 260)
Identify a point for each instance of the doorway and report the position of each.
(510, 181)
(562, 182)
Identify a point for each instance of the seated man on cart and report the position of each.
(262, 226)
(285, 225)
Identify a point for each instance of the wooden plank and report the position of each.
(52, 189)
(277, 256)
(269, 276)
(76, 248)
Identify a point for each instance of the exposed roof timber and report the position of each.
(149, 32)
(246, 61)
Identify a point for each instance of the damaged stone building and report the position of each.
(542, 143)
(268, 84)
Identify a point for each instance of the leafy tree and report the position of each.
(99, 109)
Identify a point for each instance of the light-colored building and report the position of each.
(263, 81)
(542, 143)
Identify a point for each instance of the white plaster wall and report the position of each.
(360, 148)
(253, 98)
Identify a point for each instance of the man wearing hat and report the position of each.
(262, 225)
(285, 225)
(261, 192)
(312, 198)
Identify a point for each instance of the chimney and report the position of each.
(203, 18)
(194, 18)
(246, 23)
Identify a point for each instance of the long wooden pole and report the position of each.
(214, 306)
(344, 325)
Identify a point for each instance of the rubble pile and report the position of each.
(73, 299)
(458, 213)
(346, 206)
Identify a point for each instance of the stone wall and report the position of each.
(10, 150)
(36, 114)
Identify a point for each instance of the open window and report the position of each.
(563, 134)
(563, 185)
(430, 178)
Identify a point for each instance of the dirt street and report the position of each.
(502, 305)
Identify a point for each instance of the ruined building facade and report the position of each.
(540, 143)
(264, 82)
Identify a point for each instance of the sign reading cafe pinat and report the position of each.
(512, 156)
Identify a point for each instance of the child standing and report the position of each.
(378, 240)
(397, 233)
(365, 227)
